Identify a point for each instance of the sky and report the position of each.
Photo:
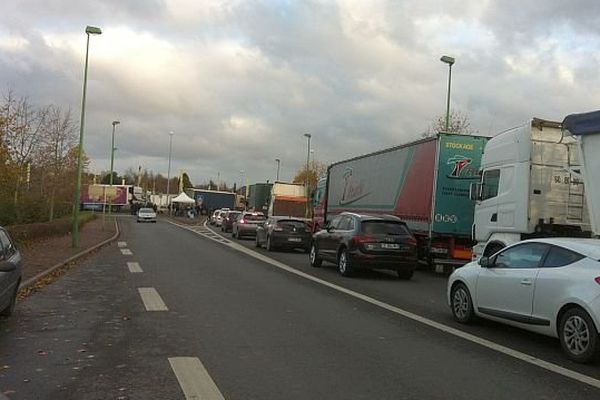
(240, 82)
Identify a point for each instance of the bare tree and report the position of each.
(458, 123)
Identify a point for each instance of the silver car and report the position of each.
(246, 224)
(10, 273)
(146, 215)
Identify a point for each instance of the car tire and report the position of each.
(313, 255)
(405, 274)
(256, 242)
(10, 308)
(579, 336)
(270, 246)
(462, 304)
(345, 263)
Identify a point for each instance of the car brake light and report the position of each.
(242, 221)
(278, 228)
(597, 279)
(358, 240)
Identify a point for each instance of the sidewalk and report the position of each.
(42, 255)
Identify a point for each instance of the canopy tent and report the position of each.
(183, 198)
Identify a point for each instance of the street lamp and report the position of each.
(308, 136)
(278, 161)
(169, 170)
(112, 161)
(89, 30)
(448, 60)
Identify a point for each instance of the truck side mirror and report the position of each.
(475, 191)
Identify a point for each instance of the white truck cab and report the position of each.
(531, 186)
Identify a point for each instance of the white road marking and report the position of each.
(588, 380)
(122, 244)
(134, 267)
(152, 300)
(194, 379)
(126, 252)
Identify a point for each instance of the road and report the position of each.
(173, 313)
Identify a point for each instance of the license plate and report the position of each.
(390, 246)
(294, 239)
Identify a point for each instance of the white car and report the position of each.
(548, 286)
(146, 215)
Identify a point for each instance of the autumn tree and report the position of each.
(311, 176)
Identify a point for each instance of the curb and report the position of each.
(32, 281)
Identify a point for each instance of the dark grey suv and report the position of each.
(354, 241)
(10, 273)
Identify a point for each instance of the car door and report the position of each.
(262, 230)
(326, 238)
(9, 258)
(506, 287)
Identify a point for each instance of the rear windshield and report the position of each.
(384, 227)
(250, 217)
(146, 210)
(291, 222)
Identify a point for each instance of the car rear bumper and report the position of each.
(247, 230)
(373, 261)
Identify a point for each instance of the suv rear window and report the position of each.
(291, 222)
(256, 217)
(385, 228)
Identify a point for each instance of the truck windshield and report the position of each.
(384, 228)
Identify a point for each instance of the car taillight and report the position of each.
(278, 228)
(242, 221)
(358, 240)
(411, 241)
(597, 279)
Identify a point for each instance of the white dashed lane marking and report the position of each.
(122, 244)
(134, 267)
(194, 379)
(126, 252)
(152, 300)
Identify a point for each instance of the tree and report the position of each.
(458, 123)
(116, 179)
(187, 184)
(315, 170)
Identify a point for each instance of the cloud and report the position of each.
(241, 82)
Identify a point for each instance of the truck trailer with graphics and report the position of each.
(425, 183)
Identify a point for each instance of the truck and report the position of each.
(531, 186)
(425, 183)
(288, 199)
(96, 196)
(258, 197)
(209, 200)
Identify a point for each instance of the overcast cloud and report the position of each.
(240, 82)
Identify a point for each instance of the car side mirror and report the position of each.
(329, 228)
(485, 262)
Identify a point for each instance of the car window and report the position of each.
(6, 247)
(346, 224)
(559, 257)
(335, 222)
(254, 217)
(146, 210)
(491, 180)
(527, 255)
(385, 228)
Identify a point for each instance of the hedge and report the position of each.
(28, 233)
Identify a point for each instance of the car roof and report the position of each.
(371, 217)
(588, 247)
(282, 217)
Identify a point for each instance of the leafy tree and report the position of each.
(315, 170)
(187, 184)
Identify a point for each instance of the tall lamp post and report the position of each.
(112, 162)
(89, 30)
(308, 136)
(278, 161)
(169, 170)
(450, 61)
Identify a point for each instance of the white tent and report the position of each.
(183, 198)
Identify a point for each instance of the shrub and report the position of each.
(27, 233)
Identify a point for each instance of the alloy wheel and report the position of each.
(576, 335)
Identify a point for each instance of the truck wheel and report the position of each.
(405, 274)
(462, 304)
(578, 336)
(315, 260)
(345, 263)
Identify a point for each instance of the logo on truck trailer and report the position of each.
(459, 162)
(352, 192)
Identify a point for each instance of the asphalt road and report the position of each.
(229, 325)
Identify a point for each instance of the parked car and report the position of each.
(354, 241)
(548, 286)
(246, 223)
(228, 219)
(10, 273)
(146, 215)
(284, 233)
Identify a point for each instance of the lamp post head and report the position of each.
(447, 59)
(114, 123)
(277, 160)
(171, 133)
(308, 135)
(93, 30)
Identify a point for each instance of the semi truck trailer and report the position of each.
(425, 183)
